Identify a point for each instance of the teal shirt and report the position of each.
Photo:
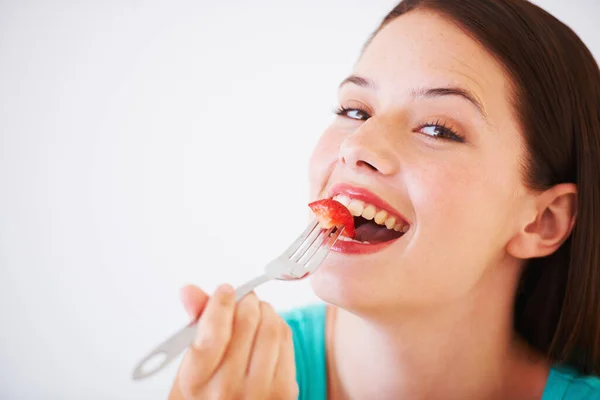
(308, 328)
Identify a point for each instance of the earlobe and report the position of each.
(522, 245)
(553, 223)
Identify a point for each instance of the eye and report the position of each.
(439, 130)
(352, 113)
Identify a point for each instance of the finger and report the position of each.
(285, 370)
(211, 341)
(231, 374)
(265, 352)
(194, 300)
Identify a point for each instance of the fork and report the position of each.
(298, 261)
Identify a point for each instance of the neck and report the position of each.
(463, 349)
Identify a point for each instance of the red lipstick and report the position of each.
(358, 193)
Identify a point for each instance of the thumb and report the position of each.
(193, 299)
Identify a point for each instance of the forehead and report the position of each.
(425, 49)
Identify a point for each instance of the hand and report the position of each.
(241, 351)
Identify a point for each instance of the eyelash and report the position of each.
(342, 112)
(444, 132)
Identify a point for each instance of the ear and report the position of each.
(553, 221)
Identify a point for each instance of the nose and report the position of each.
(368, 149)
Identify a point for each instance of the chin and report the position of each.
(347, 287)
(369, 285)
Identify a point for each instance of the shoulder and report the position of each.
(566, 383)
(308, 331)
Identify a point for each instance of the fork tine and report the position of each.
(308, 242)
(322, 251)
(306, 245)
(298, 242)
(315, 246)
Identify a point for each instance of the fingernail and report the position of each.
(225, 289)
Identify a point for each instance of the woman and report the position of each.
(474, 126)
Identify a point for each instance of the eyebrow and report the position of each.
(450, 91)
(424, 92)
(359, 81)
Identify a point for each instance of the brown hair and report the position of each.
(556, 95)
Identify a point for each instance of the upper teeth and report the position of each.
(368, 211)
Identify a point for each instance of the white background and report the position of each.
(145, 145)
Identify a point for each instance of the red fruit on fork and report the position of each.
(332, 213)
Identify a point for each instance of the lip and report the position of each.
(343, 247)
(365, 195)
(369, 197)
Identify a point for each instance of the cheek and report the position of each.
(457, 232)
(322, 161)
(463, 203)
(438, 196)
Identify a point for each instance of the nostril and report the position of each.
(354, 160)
(361, 163)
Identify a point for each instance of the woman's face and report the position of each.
(426, 125)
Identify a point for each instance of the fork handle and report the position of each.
(249, 286)
(168, 350)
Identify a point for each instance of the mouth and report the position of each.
(377, 224)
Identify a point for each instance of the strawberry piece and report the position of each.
(332, 213)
